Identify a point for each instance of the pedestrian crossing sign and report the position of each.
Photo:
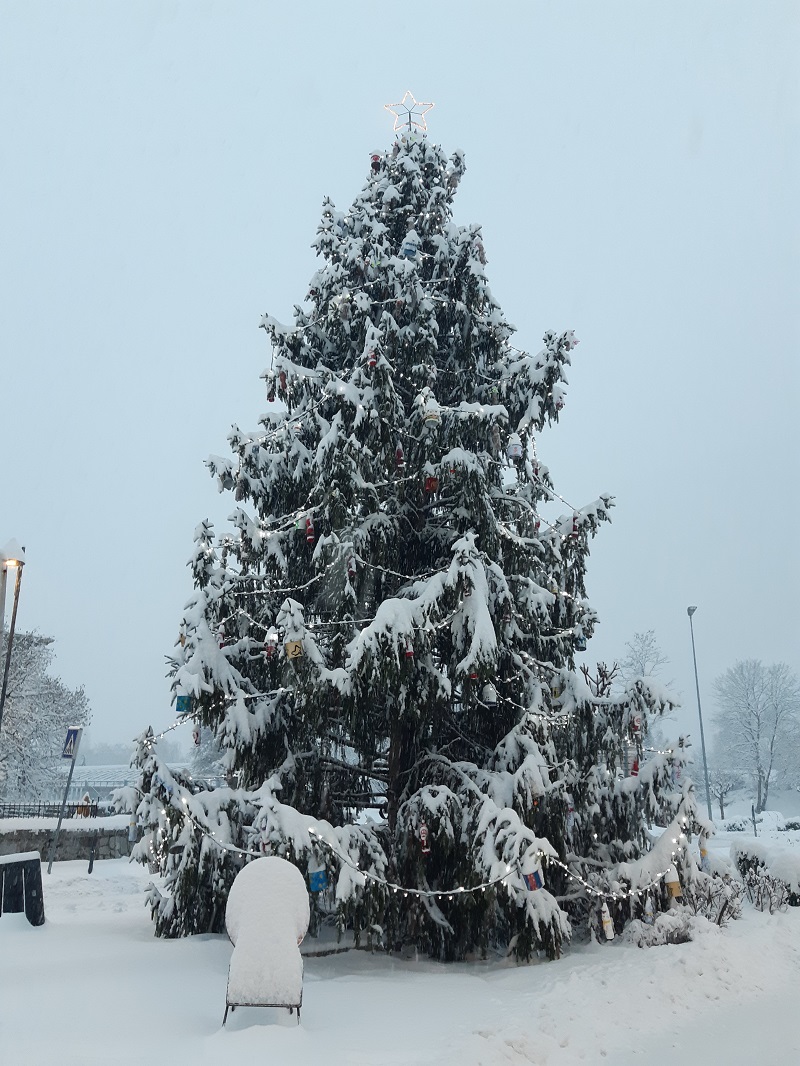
(71, 743)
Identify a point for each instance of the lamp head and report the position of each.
(690, 611)
(12, 554)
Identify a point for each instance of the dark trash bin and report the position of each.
(21, 886)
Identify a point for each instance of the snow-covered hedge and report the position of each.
(778, 860)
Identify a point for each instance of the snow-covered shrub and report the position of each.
(771, 873)
(735, 825)
(671, 927)
(717, 897)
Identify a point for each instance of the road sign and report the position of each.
(71, 743)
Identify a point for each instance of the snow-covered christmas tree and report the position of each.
(384, 641)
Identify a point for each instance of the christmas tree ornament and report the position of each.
(432, 417)
(648, 917)
(310, 531)
(608, 925)
(431, 484)
(409, 648)
(635, 767)
(318, 879)
(409, 247)
(673, 883)
(489, 695)
(514, 449)
(196, 735)
(579, 642)
(294, 649)
(570, 805)
(282, 380)
(399, 456)
(494, 394)
(575, 528)
(372, 359)
(495, 439)
(534, 880)
(375, 162)
(183, 704)
(227, 481)
(351, 567)
(271, 645)
(423, 839)
(182, 639)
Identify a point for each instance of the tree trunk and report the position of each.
(401, 759)
(721, 799)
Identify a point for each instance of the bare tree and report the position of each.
(722, 782)
(758, 710)
(39, 709)
(643, 657)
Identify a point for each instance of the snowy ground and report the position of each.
(93, 986)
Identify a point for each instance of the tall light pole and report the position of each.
(12, 557)
(690, 611)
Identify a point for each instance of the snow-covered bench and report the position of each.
(266, 919)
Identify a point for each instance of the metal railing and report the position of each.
(48, 810)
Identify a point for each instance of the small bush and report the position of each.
(765, 891)
(717, 898)
(788, 825)
(671, 927)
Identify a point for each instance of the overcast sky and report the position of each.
(635, 169)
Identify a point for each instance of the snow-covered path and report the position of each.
(93, 986)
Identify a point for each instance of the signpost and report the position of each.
(70, 751)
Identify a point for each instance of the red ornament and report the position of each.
(399, 456)
(409, 649)
(375, 163)
(574, 525)
(309, 531)
(372, 359)
(431, 484)
(423, 839)
(282, 380)
(351, 567)
(635, 768)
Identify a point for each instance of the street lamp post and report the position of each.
(690, 611)
(12, 556)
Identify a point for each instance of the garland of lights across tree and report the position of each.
(384, 642)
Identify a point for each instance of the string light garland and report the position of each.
(541, 857)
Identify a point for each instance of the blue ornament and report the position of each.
(183, 704)
(317, 880)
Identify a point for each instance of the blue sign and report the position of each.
(317, 880)
(71, 743)
(183, 704)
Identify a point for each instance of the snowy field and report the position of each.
(93, 986)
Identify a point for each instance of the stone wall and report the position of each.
(111, 842)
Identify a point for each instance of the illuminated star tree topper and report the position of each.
(409, 113)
